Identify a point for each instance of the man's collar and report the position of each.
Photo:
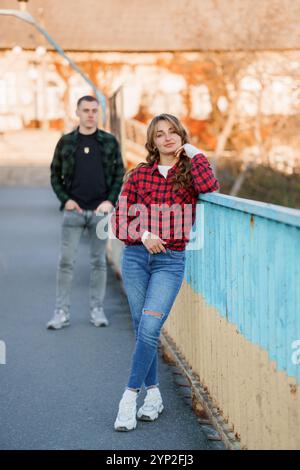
(98, 133)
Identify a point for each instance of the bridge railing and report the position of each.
(236, 320)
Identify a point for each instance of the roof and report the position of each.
(158, 25)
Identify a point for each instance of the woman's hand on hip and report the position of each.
(154, 244)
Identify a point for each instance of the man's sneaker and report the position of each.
(59, 320)
(98, 317)
(126, 419)
(152, 406)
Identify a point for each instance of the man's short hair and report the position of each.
(86, 98)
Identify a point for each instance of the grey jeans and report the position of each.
(73, 225)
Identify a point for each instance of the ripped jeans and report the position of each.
(152, 283)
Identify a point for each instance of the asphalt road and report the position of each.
(61, 389)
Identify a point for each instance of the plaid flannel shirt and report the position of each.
(147, 200)
(63, 165)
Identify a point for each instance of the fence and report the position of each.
(237, 318)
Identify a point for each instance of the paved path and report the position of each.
(60, 389)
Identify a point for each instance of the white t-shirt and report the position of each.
(163, 169)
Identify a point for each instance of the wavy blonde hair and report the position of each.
(183, 177)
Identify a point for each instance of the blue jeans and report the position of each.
(152, 282)
(73, 226)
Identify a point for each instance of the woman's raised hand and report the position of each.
(179, 151)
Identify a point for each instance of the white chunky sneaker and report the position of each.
(152, 406)
(126, 419)
(59, 320)
(98, 317)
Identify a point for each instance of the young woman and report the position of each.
(150, 219)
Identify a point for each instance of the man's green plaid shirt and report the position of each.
(63, 165)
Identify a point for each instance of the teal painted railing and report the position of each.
(249, 270)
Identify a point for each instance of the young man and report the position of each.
(86, 175)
